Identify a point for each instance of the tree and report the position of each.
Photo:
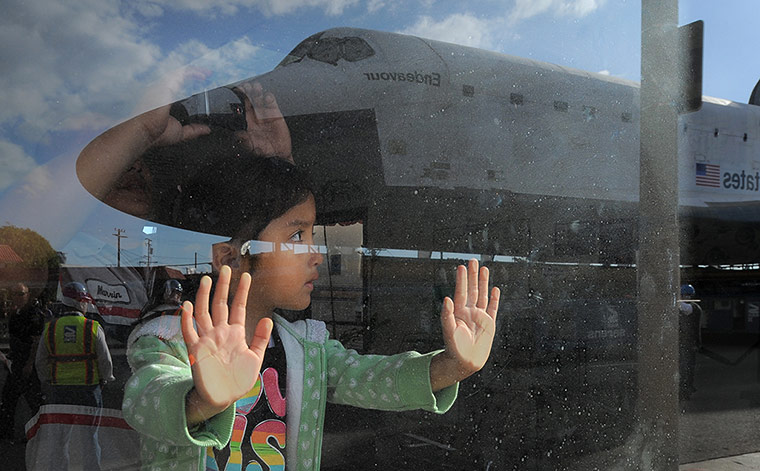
(36, 252)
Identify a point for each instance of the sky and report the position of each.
(71, 70)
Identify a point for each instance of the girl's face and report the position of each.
(284, 277)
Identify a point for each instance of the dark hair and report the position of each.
(215, 185)
(281, 186)
(214, 199)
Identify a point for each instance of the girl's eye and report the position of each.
(297, 237)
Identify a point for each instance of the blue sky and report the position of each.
(71, 71)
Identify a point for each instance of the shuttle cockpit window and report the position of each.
(330, 49)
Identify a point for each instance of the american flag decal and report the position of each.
(708, 175)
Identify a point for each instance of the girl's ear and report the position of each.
(225, 253)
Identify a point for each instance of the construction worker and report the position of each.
(170, 302)
(689, 325)
(73, 360)
(24, 327)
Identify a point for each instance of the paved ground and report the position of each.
(722, 418)
(749, 462)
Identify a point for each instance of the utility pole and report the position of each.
(150, 251)
(119, 236)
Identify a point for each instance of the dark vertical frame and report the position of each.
(658, 258)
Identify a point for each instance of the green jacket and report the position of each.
(319, 370)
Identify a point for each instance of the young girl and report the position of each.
(231, 391)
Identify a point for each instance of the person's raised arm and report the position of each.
(224, 366)
(103, 165)
(469, 324)
(105, 160)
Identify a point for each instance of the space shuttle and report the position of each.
(538, 160)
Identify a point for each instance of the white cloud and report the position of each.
(463, 29)
(230, 7)
(226, 62)
(91, 73)
(396, 6)
(375, 5)
(16, 164)
(525, 9)
(193, 66)
(39, 181)
(52, 72)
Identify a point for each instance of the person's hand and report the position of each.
(469, 324)
(163, 129)
(267, 134)
(224, 367)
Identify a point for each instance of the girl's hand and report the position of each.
(469, 324)
(224, 367)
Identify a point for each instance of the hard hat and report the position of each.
(75, 295)
(687, 290)
(170, 287)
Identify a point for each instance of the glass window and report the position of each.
(153, 153)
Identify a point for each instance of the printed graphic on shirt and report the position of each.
(258, 432)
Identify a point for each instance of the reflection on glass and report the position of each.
(421, 155)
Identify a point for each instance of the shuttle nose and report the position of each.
(225, 107)
(221, 107)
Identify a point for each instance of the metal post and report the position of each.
(658, 258)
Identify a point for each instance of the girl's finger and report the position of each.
(219, 308)
(201, 306)
(188, 331)
(472, 282)
(493, 303)
(448, 322)
(237, 311)
(460, 290)
(261, 337)
(483, 288)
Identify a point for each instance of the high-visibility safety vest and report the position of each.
(70, 341)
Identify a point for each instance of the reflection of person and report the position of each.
(169, 303)
(110, 167)
(73, 360)
(689, 325)
(24, 328)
